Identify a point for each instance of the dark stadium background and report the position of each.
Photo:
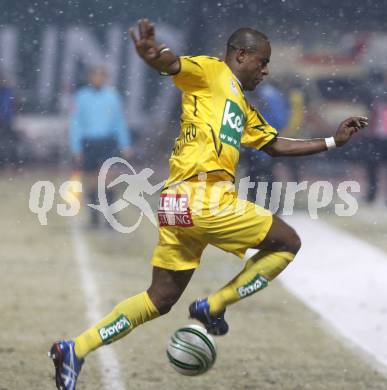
(324, 30)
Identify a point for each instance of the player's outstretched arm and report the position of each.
(304, 147)
(157, 56)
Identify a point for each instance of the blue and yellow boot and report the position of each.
(67, 364)
(214, 323)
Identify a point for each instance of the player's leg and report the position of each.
(109, 149)
(164, 291)
(235, 230)
(166, 288)
(280, 237)
(277, 250)
(90, 166)
(90, 179)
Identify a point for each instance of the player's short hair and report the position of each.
(246, 38)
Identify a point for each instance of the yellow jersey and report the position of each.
(216, 119)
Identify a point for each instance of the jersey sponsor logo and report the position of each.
(112, 330)
(174, 211)
(258, 283)
(233, 123)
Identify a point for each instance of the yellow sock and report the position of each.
(123, 319)
(258, 271)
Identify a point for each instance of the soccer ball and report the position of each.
(191, 350)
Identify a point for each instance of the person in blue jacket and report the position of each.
(275, 108)
(98, 131)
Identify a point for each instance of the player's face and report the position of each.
(255, 66)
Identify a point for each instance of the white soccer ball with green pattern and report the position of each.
(191, 350)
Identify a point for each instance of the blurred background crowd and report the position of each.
(64, 62)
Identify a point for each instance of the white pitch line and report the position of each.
(108, 358)
(344, 279)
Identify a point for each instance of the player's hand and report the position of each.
(348, 128)
(146, 45)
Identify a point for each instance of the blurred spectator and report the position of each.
(8, 137)
(377, 134)
(98, 131)
(296, 113)
(284, 111)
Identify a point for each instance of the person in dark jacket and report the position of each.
(8, 137)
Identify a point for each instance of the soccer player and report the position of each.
(216, 119)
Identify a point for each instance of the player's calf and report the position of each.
(281, 237)
(167, 287)
(163, 303)
(292, 243)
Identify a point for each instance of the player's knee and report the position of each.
(163, 300)
(165, 304)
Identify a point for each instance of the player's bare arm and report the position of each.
(301, 147)
(158, 56)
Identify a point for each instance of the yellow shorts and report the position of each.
(197, 213)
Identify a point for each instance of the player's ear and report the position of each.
(241, 55)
